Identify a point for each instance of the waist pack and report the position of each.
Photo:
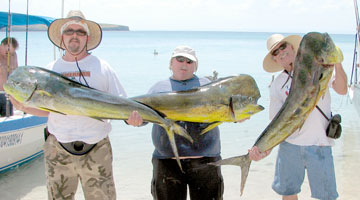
(334, 129)
(76, 148)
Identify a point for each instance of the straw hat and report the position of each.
(93, 29)
(269, 64)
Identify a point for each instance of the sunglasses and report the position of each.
(281, 47)
(78, 32)
(182, 59)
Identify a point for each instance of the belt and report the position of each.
(76, 148)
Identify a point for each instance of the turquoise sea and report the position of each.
(229, 53)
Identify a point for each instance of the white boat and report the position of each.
(354, 88)
(21, 139)
(21, 135)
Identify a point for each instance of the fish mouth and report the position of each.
(327, 65)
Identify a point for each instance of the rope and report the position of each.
(27, 30)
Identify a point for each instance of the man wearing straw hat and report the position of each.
(308, 148)
(8, 62)
(77, 147)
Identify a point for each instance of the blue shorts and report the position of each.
(291, 162)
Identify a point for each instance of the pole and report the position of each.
(8, 63)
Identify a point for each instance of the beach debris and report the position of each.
(213, 77)
(47, 90)
(313, 68)
(228, 99)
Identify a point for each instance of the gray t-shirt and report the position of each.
(207, 145)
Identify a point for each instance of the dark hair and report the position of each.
(13, 41)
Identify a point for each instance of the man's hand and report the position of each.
(135, 119)
(256, 155)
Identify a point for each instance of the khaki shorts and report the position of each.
(64, 170)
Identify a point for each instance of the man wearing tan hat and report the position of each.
(77, 147)
(308, 148)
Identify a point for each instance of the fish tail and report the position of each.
(243, 161)
(171, 136)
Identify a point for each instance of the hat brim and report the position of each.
(269, 64)
(186, 55)
(55, 35)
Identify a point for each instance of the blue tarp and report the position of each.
(20, 19)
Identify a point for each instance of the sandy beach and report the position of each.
(132, 169)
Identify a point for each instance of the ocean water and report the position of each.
(229, 53)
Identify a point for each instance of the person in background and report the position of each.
(308, 148)
(8, 62)
(78, 147)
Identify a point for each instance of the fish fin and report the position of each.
(177, 129)
(99, 119)
(50, 110)
(243, 161)
(210, 127)
(43, 93)
(171, 137)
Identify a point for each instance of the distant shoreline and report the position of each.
(105, 27)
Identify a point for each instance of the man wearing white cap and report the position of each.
(307, 148)
(77, 147)
(169, 182)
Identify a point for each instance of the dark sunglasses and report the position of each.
(78, 32)
(182, 59)
(281, 47)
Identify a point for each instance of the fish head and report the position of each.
(315, 60)
(322, 48)
(243, 107)
(21, 83)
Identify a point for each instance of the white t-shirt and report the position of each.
(99, 75)
(313, 130)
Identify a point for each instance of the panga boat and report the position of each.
(21, 139)
(354, 90)
(21, 135)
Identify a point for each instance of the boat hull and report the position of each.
(354, 93)
(21, 140)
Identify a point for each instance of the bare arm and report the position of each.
(340, 82)
(29, 110)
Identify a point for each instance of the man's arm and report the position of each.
(340, 82)
(29, 110)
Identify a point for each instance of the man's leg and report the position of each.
(168, 181)
(96, 172)
(61, 179)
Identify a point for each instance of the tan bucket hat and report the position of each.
(94, 30)
(269, 64)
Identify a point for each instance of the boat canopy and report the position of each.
(21, 19)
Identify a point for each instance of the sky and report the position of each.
(286, 16)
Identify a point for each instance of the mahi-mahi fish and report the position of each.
(313, 68)
(47, 90)
(228, 99)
